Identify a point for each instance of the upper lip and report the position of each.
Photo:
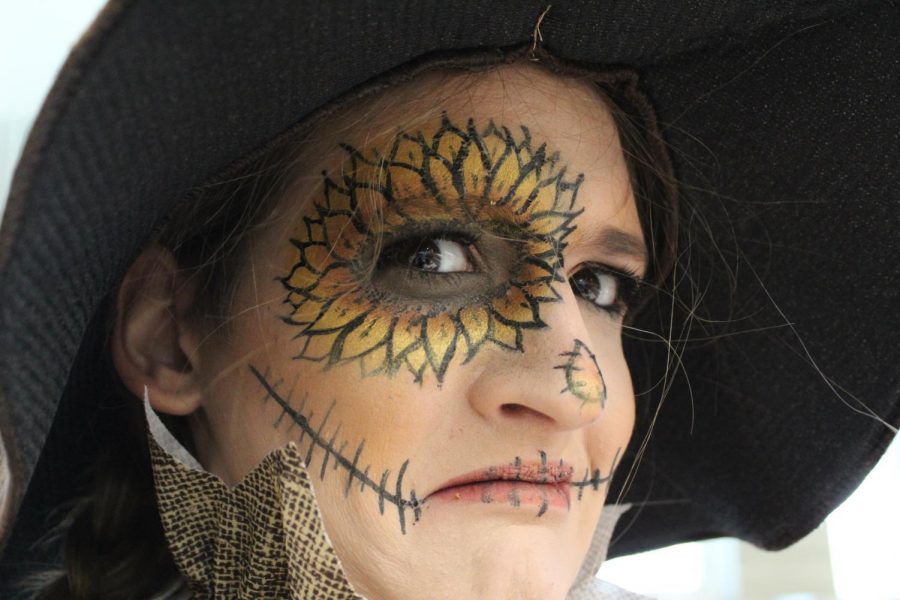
(541, 471)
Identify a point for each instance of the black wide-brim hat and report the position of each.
(782, 122)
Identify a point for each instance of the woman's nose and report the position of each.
(557, 380)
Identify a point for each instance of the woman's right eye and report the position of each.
(431, 255)
(444, 265)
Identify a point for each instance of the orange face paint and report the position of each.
(438, 179)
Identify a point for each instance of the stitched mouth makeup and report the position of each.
(539, 484)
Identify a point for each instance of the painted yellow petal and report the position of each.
(408, 159)
(408, 151)
(449, 145)
(506, 336)
(338, 315)
(307, 311)
(341, 236)
(525, 184)
(547, 199)
(443, 180)
(336, 197)
(318, 347)
(476, 321)
(335, 282)
(369, 172)
(364, 337)
(406, 334)
(440, 342)
(374, 362)
(318, 257)
(391, 218)
(405, 182)
(550, 224)
(515, 307)
(497, 149)
(474, 173)
(506, 177)
(302, 278)
(311, 230)
(296, 299)
(542, 292)
(416, 361)
(426, 208)
(536, 271)
(371, 203)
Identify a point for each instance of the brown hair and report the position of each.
(113, 542)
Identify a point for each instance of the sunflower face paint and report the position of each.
(447, 241)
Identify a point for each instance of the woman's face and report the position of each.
(434, 314)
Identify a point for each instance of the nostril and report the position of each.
(521, 411)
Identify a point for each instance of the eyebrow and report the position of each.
(611, 240)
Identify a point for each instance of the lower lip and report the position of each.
(517, 494)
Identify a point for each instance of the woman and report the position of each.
(438, 312)
(430, 303)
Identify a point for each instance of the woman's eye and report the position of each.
(607, 289)
(432, 255)
(446, 265)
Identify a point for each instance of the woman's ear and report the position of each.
(155, 342)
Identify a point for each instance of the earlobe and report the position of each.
(154, 341)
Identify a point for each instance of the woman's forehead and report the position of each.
(421, 138)
(568, 114)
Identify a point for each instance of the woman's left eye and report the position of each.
(608, 289)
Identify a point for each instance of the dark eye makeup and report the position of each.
(612, 290)
(446, 262)
(433, 254)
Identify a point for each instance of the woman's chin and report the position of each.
(499, 571)
(500, 552)
(517, 568)
(472, 552)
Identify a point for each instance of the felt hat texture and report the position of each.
(782, 123)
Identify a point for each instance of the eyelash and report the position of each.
(629, 288)
(465, 239)
(629, 285)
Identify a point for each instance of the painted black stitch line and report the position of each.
(596, 479)
(513, 497)
(543, 468)
(394, 497)
(581, 359)
(545, 503)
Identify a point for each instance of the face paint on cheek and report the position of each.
(369, 283)
(595, 479)
(319, 443)
(583, 377)
(541, 484)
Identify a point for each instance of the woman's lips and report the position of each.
(517, 484)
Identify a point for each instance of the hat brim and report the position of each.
(783, 128)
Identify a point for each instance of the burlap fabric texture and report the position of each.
(262, 538)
